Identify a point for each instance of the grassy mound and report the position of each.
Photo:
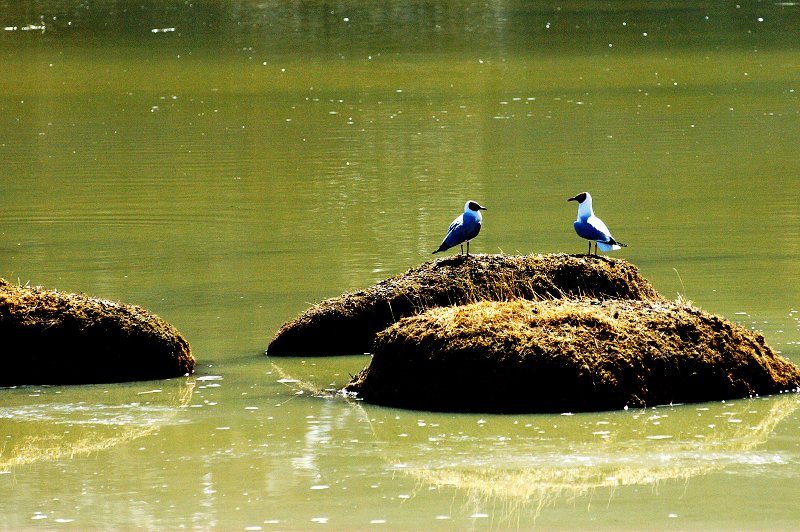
(568, 355)
(347, 324)
(50, 337)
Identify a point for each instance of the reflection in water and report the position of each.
(321, 429)
(572, 456)
(524, 464)
(54, 426)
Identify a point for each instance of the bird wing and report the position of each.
(455, 224)
(462, 229)
(452, 237)
(593, 228)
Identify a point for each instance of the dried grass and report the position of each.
(568, 355)
(51, 337)
(348, 323)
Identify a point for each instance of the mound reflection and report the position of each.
(521, 464)
(535, 461)
(50, 423)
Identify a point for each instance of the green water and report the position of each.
(226, 165)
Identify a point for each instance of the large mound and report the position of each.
(50, 337)
(569, 355)
(347, 324)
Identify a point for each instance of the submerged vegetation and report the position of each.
(568, 355)
(348, 323)
(51, 337)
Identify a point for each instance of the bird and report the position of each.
(591, 227)
(464, 228)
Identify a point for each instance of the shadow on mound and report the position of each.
(347, 324)
(568, 356)
(50, 337)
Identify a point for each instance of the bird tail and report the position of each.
(611, 245)
(441, 248)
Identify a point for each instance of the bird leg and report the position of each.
(590, 248)
(462, 249)
(467, 248)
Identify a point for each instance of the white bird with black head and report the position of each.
(464, 228)
(591, 227)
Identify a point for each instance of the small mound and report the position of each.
(50, 337)
(348, 324)
(568, 356)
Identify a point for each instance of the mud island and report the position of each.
(568, 356)
(52, 337)
(347, 324)
(538, 333)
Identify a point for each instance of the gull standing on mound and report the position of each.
(464, 228)
(591, 227)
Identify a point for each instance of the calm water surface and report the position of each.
(226, 166)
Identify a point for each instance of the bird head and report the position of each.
(580, 198)
(473, 206)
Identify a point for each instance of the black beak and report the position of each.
(573, 199)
